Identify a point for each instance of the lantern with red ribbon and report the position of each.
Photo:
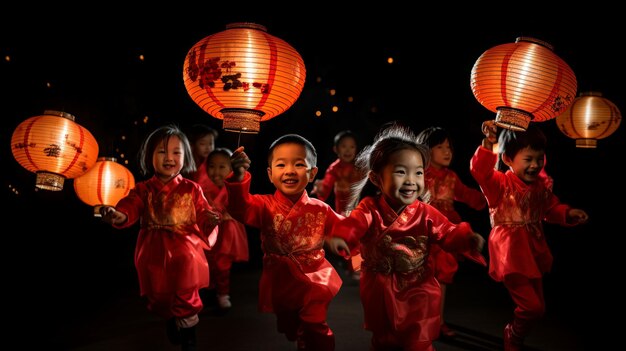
(243, 76)
(589, 118)
(522, 82)
(104, 184)
(54, 147)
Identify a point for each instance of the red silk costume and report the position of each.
(297, 282)
(401, 303)
(445, 188)
(174, 232)
(201, 177)
(518, 251)
(232, 241)
(339, 177)
(516, 209)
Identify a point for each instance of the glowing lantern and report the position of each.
(523, 82)
(104, 184)
(589, 118)
(54, 147)
(243, 76)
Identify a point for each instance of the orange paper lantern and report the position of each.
(54, 147)
(589, 118)
(523, 82)
(243, 76)
(104, 184)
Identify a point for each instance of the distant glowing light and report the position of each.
(335, 108)
(390, 60)
(318, 113)
(332, 92)
(350, 99)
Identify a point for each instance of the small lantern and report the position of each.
(243, 76)
(523, 82)
(589, 118)
(54, 147)
(104, 184)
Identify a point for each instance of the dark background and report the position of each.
(59, 260)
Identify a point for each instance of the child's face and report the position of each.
(203, 146)
(441, 155)
(346, 150)
(401, 181)
(218, 167)
(168, 160)
(289, 171)
(526, 164)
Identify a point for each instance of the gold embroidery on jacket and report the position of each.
(404, 257)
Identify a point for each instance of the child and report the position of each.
(399, 292)
(232, 241)
(445, 187)
(297, 282)
(519, 201)
(176, 225)
(341, 174)
(202, 141)
(339, 178)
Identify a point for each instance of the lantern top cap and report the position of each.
(60, 114)
(246, 25)
(590, 93)
(104, 158)
(536, 41)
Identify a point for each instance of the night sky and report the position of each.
(92, 66)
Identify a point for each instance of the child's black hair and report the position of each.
(311, 154)
(373, 158)
(343, 134)
(433, 136)
(161, 136)
(510, 142)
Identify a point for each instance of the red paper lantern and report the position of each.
(589, 118)
(243, 75)
(523, 82)
(104, 184)
(54, 147)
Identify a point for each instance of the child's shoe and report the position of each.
(173, 333)
(446, 332)
(224, 301)
(512, 342)
(188, 339)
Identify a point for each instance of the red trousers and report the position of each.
(182, 304)
(527, 294)
(220, 266)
